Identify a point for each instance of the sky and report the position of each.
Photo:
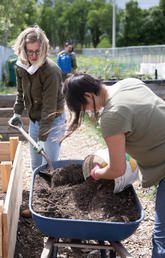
(143, 4)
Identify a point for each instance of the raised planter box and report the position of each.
(11, 167)
(6, 111)
(157, 86)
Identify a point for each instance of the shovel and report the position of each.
(18, 126)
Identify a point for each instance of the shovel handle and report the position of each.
(27, 136)
(30, 139)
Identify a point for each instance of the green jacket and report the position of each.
(40, 94)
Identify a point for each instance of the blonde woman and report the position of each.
(39, 91)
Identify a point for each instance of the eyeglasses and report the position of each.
(31, 52)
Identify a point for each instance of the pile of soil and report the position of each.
(67, 195)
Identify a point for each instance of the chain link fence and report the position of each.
(139, 54)
(131, 58)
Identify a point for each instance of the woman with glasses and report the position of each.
(39, 91)
(132, 120)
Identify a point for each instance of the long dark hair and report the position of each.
(74, 89)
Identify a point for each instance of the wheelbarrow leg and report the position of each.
(112, 254)
(54, 252)
(48, 250)
(120, 250)
(103, 252)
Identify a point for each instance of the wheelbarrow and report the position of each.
(56, 228)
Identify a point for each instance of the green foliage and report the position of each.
(6, 90)
(105, 68)
(162, 5)
(155, 20)
(94, 129)
(133, 22)
(83, 22)
(152, 191)
(15, 16)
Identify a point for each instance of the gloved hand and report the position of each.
(15, 120)
(39, 147)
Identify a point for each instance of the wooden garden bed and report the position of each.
(6, 112)
(11, 180)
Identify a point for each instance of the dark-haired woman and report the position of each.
(132, 120)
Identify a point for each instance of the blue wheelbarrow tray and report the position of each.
(83, 229)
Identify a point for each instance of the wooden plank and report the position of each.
(1, 231)
(6, 137)
(12, 204)
(10, 130)
(5, 235)
(13, 146)
(4, 151)
(8, 112)
(6, 167)
(4, 121)
(7, 100)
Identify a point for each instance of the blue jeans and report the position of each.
(51, 147)
(159, 227)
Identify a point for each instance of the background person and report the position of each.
(39, 90)
(133, 121)
(66, 60)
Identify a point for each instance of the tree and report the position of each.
(132, 23)
(60, 30)
(94, 19)
(105, 25)
(47, 21)
(93, 24)
(16, 15)
(80, 13)
(155, 20)
(162, 6)
(5, 21)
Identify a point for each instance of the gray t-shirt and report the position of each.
(135, 110)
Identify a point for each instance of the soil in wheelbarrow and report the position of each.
(69, 196)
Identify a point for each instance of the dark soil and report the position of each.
(69, 196)
(29, 239)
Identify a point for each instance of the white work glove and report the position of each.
(15, 120)
(40, 146)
